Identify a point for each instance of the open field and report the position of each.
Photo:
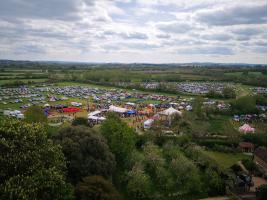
(2, 82)
(226, 160)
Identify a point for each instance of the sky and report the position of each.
(134, 31)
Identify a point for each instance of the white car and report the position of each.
(76, 104)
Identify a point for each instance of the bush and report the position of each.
(35, 114)
(86, 152)
(31, 166)
(96, 187)
(244, 105)
(229, 93)
(80, 121)
(249, 164)
(261, 192)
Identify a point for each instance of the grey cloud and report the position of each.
(175, 27)
(261, 49)
(28, 48)
(243, 37)
(134, 35)
(124, 35)
(247, 31)
(261, 43)
(163, 36)
(22, 30)
(218, 37)
(241, 14)
(143, 46)
(45, 9)
(210, 50)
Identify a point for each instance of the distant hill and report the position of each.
(62, 64)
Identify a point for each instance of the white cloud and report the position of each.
(134, 30)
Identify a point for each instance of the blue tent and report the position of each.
(131, 112)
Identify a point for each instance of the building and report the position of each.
(246, 147)
(260, 157)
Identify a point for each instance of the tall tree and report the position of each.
(139, 185)
(244, 105)
(35, 114)
(121, 138)
(31, 166)
(96, 188)
(186, 175)
(86, 152)
(198, 107)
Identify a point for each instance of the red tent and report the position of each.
(71, 110)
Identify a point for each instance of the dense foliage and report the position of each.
(31, 166)
(80, 121)
(244, 105)
(86, 153)
(121, 138)
(35, 114)
(96, 188)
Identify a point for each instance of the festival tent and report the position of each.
(180, 107)
(71, 110)
(130, 104)
(131, 112)
(94, 113)
(148, 123)
(246, 129)
(146, 111)
(117, 109)
(170, 111)
(151, 105)
(189, 108)
(96, 118)
(52, 99)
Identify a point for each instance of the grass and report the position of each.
(242, 74)
(221, 125)
(225, 160)
(2, 82)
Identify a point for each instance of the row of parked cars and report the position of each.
(13, 113)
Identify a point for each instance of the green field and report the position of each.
(226, 160)
(2, 82)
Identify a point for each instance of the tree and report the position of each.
(86, 152)
(186, 176)
(229, 93)
(80, 121)
(31, 166)
(261, 192)
(213, 183)
(96, 188)
(198, 107)
(139, 185)
(153, 158)
(213, 94)
(35, 114)
(244, 105)
(121, 138)
(261, 99)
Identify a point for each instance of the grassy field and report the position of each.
(2, 82)
(226, 160)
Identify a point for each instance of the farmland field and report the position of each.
(226, 160)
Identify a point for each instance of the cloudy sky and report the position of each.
(156, 31)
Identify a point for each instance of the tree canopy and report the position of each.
(96, 188)
(31, 166)
(86, 152)
(35, 114)
(121, 138)
(244, 105)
